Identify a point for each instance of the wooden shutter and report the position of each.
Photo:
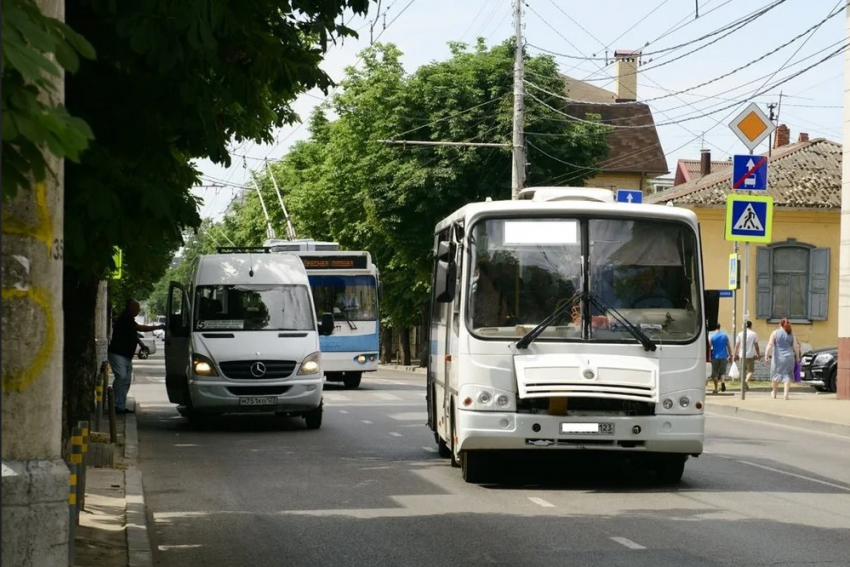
(764, 283)
(818, 284)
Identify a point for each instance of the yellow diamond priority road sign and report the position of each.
(752, 126)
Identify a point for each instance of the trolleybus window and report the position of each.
(352, 297)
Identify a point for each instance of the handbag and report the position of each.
(797, 377)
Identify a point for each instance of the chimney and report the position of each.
(804, 137)
(627, 69)
(704, 162)
(783, 136)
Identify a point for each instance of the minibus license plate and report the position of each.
(588, 428)
(258, 401)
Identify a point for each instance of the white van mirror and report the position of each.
(327, 324)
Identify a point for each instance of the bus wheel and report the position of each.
(442, 447)
(451, 445)
(475, 467)
(352, 380)
(669, 468)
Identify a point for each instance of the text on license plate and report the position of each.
(258, 401)
(588, 428)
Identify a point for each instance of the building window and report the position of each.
(793, 282)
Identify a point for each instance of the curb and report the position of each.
(400, 368)
(811, 424)
(138, 541)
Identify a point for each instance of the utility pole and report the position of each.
(289, 229)
(518, 170)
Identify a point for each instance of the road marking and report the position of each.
(385, 396)
(541, 502)
(429, 449)
(367, 422)
(186, 445)
(628, 543)
(170, 547)
(394, 434)
(343, 411)
(810, 479)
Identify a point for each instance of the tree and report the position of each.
(174, 82)
(344, 184)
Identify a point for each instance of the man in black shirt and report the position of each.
(122, 347)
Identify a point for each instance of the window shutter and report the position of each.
(818, 284)
(764, 287)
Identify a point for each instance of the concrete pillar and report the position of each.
(35, 479)
(101, 323)
(844, 254)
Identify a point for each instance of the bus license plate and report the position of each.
(258, 401)
(588, 428)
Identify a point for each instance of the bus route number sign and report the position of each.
(334, 262)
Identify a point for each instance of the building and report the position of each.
(796, 275)
(635, 155)
(688, 170)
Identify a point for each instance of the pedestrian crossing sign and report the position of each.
(749, 218)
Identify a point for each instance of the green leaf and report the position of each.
(29, 63)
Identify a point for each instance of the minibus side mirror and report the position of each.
(445, 282)
(327, 325)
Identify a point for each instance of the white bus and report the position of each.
(565, 320)
(347, 284)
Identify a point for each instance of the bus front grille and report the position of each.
(616, 391)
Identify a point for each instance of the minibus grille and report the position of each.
(257, 369)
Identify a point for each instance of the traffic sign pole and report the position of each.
(745, 318)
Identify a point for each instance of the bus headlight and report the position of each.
(203, 366)
(684, 401)
(361, 359)
(667, 403)
(486, 398)
(364, 358)
(503, 400)
(310, 364)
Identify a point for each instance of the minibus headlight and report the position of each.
(503, 400)
(667, 403)
(310, 364)
(684, 401)
(484, 398)
(203, 366)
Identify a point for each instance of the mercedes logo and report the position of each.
(258, 370)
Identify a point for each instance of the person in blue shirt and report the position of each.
(721, 353)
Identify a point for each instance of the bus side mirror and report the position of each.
(445, 282)
(327, 325)
(445, 251)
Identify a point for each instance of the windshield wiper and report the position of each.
(551, 318)
(351, 325)
(648, 344)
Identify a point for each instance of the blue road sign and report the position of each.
(749, 173)
(725, 293)
(749, 218)
(629, 196)
(734, 271)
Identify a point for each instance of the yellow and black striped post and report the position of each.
(77, 460)
(84, 427)
(72, 512)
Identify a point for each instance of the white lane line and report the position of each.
(170, 547)
(385, 396)
(186, 445)
(429, 449)
(343, 411)
(366, 421)
(394, 434)
(541, 502)
(810, 479)
(628, 543)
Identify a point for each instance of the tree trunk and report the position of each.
(405, 346)
(387, 342)
(80, 348)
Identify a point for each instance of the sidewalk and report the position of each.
(804, 409)
(112, 531)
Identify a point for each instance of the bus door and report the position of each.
(453, 314)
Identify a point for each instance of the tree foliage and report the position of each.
(36, 48)
(344, 184)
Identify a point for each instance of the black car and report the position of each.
(819, 368)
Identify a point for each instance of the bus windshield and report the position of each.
(348, 297)
(524, 270)
(253, 308)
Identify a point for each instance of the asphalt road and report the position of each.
(368, 489)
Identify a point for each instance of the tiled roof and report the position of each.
(693, 168)
(805, 175)
(633, 150)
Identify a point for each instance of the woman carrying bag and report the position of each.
(783, 352)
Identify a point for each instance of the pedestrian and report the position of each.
(783, 352)
(721, 353)
(122, 347)
(752, 352)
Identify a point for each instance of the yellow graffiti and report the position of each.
(18, 379)
(42, 230)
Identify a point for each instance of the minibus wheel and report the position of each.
(669, 468)
(442, 447)
(314, 418)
